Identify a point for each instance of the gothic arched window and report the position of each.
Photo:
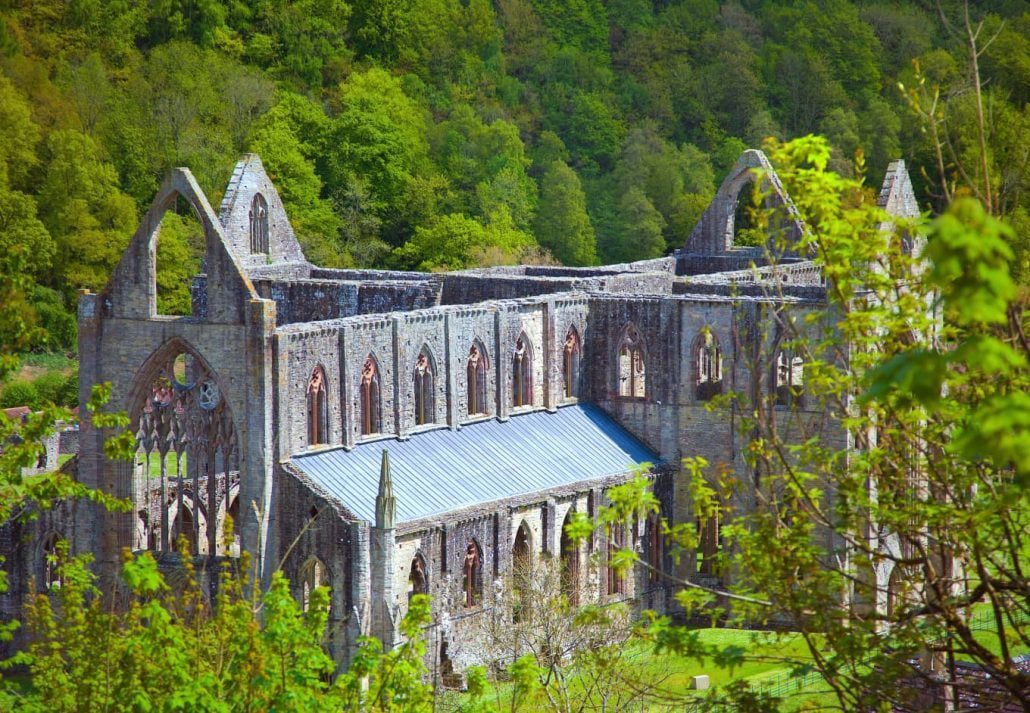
(51, 562)
(259, 225)
(472, 573)
(569, 562)
(417, 582)
(655, 542)
(632, 364)
(312, 575)
(318, 408)
(423, 385)
(522, 373)
(570, 363)
(790, 378)
(707, 366)
(521, 566)
(476, 376)
(370, 420)
(616, 578)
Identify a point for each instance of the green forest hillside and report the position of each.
(442, 134)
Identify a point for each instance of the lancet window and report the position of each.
(570, 363)
(423, 386)
(259, 225)
(632, 362)
(472, 574)
(318, 408)
(417, 578)
(312, 576)
(790, 378)
(707, 366)
(370, 402)
(522, 373)
(476, 376)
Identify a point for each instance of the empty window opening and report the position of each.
(259, 225)
(318, 408)
(521, 570)
(425, 411)
(370, 405)
(707, 366)
(632, 364)
(472, 574)
(569, 563)
(790, 378)
(417, 581)
(655, 548)
(51, 563)
(476, 376)
(747, 230)
(522, 373)
(570, 364)
(180, 247)
(616, 579)
(312, 576)
(709, 543)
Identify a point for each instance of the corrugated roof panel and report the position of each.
(444, 470)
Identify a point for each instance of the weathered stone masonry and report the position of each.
(279, 394)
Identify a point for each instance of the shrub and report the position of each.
(20, 393)
(49, 387)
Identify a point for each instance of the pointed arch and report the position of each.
(182, 420)
(570, 553)
(318, 407)
(472, 573)
(522, 372)
(131, 292)
(49, 561)
(655, 548)
(313, 574)
(631, 357)
(615, 579)
(707, 357)
(424, 386)
(475, 375)
(258, 225)
(418, 576)
(522, 571)
(371, 405)
(788, 376)
(572, 354)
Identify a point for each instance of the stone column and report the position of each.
(383, 545)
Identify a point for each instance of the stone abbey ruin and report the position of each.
(389, 433)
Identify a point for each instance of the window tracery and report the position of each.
(424, 394)
(318, 408)
(370, 403)
(522, 373)
(790, 378)
(570, 363)
(259, 225)
(632, 364)
(187, 444)
(476, 375)
(707, 366)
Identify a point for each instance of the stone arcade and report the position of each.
(387, 433)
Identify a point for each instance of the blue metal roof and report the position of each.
(445, 470)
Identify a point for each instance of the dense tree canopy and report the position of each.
(596, 130)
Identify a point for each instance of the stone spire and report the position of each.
(386, 504)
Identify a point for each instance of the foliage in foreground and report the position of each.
(174, 648)
(924, 359)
